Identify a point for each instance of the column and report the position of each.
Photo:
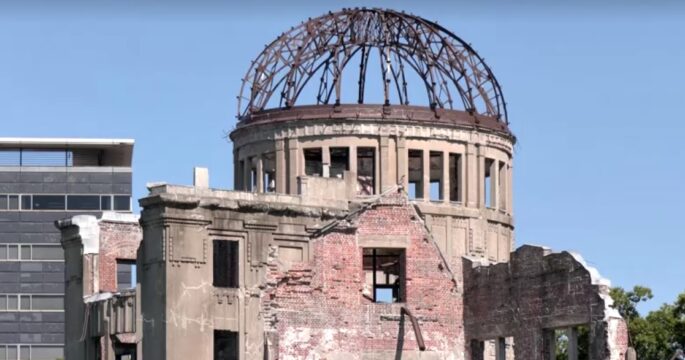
(260, 173)
(352, 182)
(501, 349)
(325, 161)
(480, 179)
(446, 177)
(385, 180)
(293, 165)
(510, 188)
(470, 176)
(426, 168)
(281, 176)
(572, 334)
(402, 165)
(237, 172)
(247, 174)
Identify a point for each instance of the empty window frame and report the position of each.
(126, 274)
(571, 343)
(488, 183)
(226, 263)
(384, 274)
(31, 252)
(340, 161)
(415, 174)
(269, 172)
(32, 352)
(502, 189)
(313, 162)
(366, 171)
(225, 345)
(455, 177)
(436, 166)
(31, 302)
(125, 352)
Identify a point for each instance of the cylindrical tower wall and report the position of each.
(455, 167)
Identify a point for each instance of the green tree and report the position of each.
(626, 301)
(656, 335)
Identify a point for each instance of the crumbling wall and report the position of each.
(535, 293)
(318, 309)
(118, 240)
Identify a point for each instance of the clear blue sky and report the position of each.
(595, 93)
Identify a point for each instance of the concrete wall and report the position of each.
(180, 306)
(91, 248)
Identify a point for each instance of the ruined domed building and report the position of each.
(371, 219)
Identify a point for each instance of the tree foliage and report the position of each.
(657, 335)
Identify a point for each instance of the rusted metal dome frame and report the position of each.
(448, 66)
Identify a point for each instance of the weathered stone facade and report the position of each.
(356, 231)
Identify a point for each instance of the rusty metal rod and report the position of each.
(417, 329)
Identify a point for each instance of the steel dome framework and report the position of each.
(322, 49)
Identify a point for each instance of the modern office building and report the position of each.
(42, 180)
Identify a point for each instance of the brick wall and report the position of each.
(318, 309)
(535, 293)
(118, 240)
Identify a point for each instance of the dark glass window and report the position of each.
(106, 202)
(3, 202)
(47, 202)
(83, 202)
(14, 202)
(122, 203)
(225, 263)
(47, 252)
(26, 202)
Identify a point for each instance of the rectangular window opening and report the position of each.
(436, 165)
(253, 179)
(226, 261)
(502, 193)
(3, 202)
(340, 162)
(455, 177)
(225, 345)
(126, 274)
(366, 171)
(313, 162)
(269, 169)
(415, 174)
(487, 184)
(384, 274)
(572, 343)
